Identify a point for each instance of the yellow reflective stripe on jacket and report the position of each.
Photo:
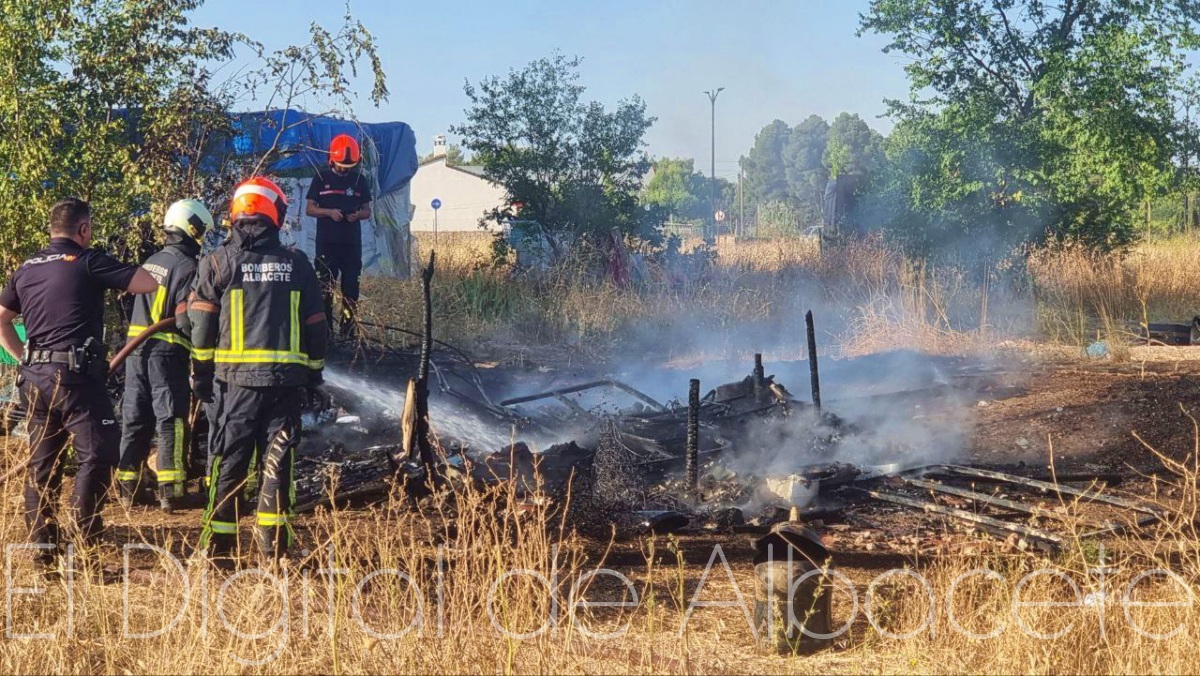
(294, 318)
(261, 357)
(203, 354)
(270, 519)
(166, 337)
(237, 353)
(160, 302)
(237, 321)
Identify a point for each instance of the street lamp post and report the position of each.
(712, 211)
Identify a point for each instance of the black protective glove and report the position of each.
(202, 386)
(316, 377)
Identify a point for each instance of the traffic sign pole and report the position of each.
(436, 204)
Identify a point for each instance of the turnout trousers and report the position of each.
(156, 402)
(251, 419)
(61, 404)
(340, 262)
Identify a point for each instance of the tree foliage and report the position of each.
(788, 168)
(1030, 119)
(98, 101)
(116, 101)
(570, 166)
(678, 190)
(804, 167)
(766, 171)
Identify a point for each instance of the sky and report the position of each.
(776, 59)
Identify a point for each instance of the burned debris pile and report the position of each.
(743, 456)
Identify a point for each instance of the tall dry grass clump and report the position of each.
(1082, 295)
(868, 294)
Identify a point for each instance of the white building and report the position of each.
(463, 192)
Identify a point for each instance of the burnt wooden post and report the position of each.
(760, 374)
(424, 445)
(812, 360)
(691, 469)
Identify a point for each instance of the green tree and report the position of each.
(115, 101)
(766, 171)
(677, 189)
(97, 100)
(573, 168)
(805, 168)
(1030, 119)
(852, 146)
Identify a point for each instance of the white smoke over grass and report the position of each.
(447, 418)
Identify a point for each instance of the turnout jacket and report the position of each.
(174, 268)
(258, 318)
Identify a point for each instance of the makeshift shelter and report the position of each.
(301, 141)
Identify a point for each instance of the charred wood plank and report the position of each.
(1045, 539)
(997, 501)
(1058, 488)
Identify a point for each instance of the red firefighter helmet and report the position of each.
(258, 196)
(344, 151)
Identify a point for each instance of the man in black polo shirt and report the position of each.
(60, 294)
(339, 198)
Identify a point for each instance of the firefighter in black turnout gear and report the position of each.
(339, 198)
(60, 294)
(258, 330)
(157, 396)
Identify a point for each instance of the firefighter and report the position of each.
(339, 198)
(60, 294)
(157, 396)
(259, 333)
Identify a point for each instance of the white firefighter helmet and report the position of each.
(188, 217)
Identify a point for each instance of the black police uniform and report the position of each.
(157, 395)
(259, 327)
(60, 294)
(339, 245)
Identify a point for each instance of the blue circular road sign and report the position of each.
(436, 204)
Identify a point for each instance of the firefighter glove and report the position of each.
(202, 387)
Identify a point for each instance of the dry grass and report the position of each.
(867, 296)
(457, 548)
(1082, 295)
(449, 602)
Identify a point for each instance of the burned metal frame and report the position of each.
(1048, 541)
(1004, 503)
(574, 389)
(1059, 488)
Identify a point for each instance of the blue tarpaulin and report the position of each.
(303, 141)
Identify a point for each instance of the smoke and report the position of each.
(448, 418)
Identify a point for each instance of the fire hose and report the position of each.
(118, 359)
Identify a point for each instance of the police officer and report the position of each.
(260, 332)
(339, 198)
(60, 294)
(157, 396)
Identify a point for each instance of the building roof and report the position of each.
(472, 169)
